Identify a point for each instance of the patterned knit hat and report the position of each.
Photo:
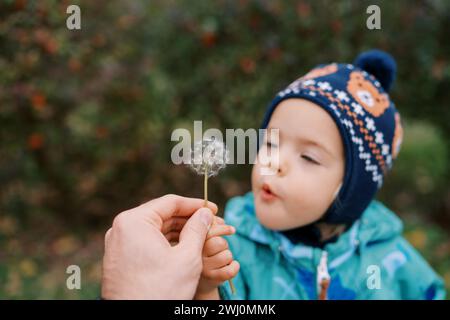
(356, 98)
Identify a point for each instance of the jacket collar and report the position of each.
(377, 223)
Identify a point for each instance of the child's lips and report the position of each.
(267, 193)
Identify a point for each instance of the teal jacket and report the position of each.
(371, 260)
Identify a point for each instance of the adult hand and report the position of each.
(139, 261)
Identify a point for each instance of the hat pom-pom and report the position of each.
(380, 64)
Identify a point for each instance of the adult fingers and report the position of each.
(175, 206)
(193, 235)
(161, 209)
(172, 236)
(173, 224)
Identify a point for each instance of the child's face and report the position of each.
(309, 171)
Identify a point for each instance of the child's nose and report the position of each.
(282, 169)
(279, 164)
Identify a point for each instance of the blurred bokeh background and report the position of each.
(86, 116)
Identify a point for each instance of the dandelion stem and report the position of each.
(205, 186)
(205, 204)
(232, 287)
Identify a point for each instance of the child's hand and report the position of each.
(218, 263)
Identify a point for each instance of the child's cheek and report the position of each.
(255, 176)
(304, 199)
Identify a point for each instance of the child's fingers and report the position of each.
(217, 261)
(218, 220)
(225, 273)
(214, 245)
(220, 230)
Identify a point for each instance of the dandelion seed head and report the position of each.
(210, 155)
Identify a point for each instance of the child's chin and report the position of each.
(268, 220)
(272, 219)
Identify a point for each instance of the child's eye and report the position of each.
(309, 159)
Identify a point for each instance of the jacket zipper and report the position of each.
(323, 277)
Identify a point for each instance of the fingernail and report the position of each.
(206, 217)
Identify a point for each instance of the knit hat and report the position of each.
(356, 97)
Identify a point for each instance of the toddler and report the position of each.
(313, 230)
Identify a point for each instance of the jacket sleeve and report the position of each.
(420, 280)
(406, 276)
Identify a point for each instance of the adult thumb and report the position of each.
(193, 234)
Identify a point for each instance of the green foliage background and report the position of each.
(86, 116)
